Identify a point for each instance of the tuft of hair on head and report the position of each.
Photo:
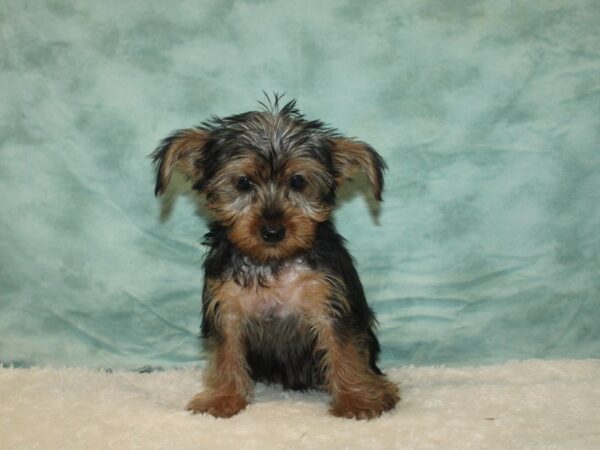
(271, 104)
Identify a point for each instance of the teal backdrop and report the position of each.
(487, 247)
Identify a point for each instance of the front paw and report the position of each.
(365, 402)
(217, 404)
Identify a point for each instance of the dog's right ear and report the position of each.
(183, 151)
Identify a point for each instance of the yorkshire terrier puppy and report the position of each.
(282, 301)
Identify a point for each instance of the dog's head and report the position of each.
(269, 176)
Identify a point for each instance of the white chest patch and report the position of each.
(291, 291)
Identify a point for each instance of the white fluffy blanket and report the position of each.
(521, 405)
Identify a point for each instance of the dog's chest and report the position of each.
(292, 290)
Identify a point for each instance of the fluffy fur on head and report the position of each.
(282, 301)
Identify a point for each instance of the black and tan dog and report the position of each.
(282, 301)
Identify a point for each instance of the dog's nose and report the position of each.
(272, 234)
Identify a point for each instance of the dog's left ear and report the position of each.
(183, 151)
(350, 156)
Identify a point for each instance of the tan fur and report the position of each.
(228, 384)
(356, 391)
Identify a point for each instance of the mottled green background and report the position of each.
(487, 247)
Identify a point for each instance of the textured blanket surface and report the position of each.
(521, 405)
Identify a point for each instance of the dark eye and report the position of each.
(297, 182)
(243, 184)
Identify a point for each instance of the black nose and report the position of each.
(272, 234)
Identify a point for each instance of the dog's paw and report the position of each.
(217, 404)
(366, 402)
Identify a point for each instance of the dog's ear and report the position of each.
(350, 156)
(182, 150)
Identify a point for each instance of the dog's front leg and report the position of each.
(356, 390)
(227, 379)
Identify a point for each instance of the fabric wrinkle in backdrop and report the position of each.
(486, 248)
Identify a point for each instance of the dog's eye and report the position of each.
(297, 182)
(243, 184)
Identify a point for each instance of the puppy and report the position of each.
(282, 301)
